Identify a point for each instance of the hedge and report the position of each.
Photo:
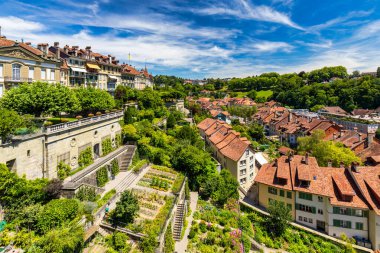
(106, 146)
(86, 193)
(63, 170)
(85, 157)
(102, 176)
(115, 169)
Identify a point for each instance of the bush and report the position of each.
(85, 157)
(115, 167)
(98, 113)
(86, 193)
(48, 123)
(57, 212)
(106, 146)
(63, 170)
(102, 176)
(101, 202)
(79, 117)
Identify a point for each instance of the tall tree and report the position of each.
(126, 208)
(93, 99)
(279, 218)
(170, 122)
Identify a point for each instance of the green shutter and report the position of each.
(297, 206)
(336, 210)
(349, 224)
(282, 193)
(313, 209)
(289, 195)
(310, 197)
(365, 213)
(289, 206)
(336, 223)
(359, 226)
(350, 211)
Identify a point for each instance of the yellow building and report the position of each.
(22, 63)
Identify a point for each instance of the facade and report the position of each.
(136, 79)
(22, 63)
(231, 150)
(332, 200)
(37, 155)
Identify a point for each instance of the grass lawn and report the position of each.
(264, 93)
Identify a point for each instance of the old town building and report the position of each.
(22, 63)
(136, 79)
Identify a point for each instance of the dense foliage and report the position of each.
(86, 193)
(126, 208)
(326, 151)
(106, 146)
(85, 157)
(94, 100)
(119, 242)
(9, 122)
(279, 218)
(63, 170)
(169, 241)
(102, 176)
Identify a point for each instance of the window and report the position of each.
(243, 162)
(305, 208)
(28, 153)
(342, 223)
(300, 218)
(251, 175)
(350, 212)
(1, 90)
(272, 190)
(52, 74)
(320, 211)
(310, 220)
(306, 196)
(31, 72)
(251, 167)
(289, 195)
(16, 72)
(243, 172)
(243, 180)
(1, 70)
(43, 74)
(320, 198)
(247, 152)
(305, 219)
(282, 193)
(359, 226)
(251, 158)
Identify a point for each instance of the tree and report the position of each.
(119, 242)
(355, 73)
(9, 122)
(53, 189)
(129, 115)
(378, 72)
(170, 123)
(126, 208)
(279, 218)
(252, 94)
(94, 100)
(130, 133)
(41, 97)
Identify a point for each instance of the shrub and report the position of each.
(79, 117)
(90, 115)
(102, 176)
(98, 113)
(48, 123)
(101, 202)
(118, 140)
(106, 146)
(64, 120)
(63, 170)
(86, 193)
(85, 157)
(115, 167)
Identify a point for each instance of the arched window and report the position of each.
(16, 72)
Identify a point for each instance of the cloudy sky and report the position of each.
(208, 38)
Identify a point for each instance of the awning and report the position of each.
(78, 70)
(92, 66)
(112, 77)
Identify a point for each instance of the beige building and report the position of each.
(22, 63)
(231, 150)
(136, 79)
(37, 155)
(332, 200)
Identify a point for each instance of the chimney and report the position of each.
(66, 49)
(370, 136)
(329, 163)
(310, 119)
(354, 167)
(56, 44)
(290, 158)
(307, 158)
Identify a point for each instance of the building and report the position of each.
(136, 79)
(221, 115)
(232, 151)
(22, 63)
(37, 155)
(332, 200)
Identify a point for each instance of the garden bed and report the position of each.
(162, 178)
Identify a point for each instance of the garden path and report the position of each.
(181, 246)
(113, 183)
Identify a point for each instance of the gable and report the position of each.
(19, 53)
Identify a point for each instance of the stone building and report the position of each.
(37, 155)
(22, 63)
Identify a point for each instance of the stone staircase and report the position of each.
(126, 182)
(102, 231)
(178, 221)
(126, 158)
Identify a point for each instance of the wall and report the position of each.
(374, 229)
(313, 216)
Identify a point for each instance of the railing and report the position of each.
(17, 79)
(82, 122)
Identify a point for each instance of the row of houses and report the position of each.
(232, 151)
(333, 200)
(20, 62)
(288, 125)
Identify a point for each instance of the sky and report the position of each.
(207, 38)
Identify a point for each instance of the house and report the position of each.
(327, 199)
(332, 110)
(136, 79)
(221, 115)
(232, 151)
(22, 63)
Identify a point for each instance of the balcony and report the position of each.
(16, 79)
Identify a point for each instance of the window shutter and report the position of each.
(365, 213)
(350, 211)
(336, 210)
(313, 209)
(349, 224)
(297, 206)
(336, 223)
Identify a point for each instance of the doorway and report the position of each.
(97, 150)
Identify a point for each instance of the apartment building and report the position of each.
(136, 79)
(231, 150)
(22, 63)
(332, 200)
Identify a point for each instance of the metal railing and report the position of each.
(82, 122)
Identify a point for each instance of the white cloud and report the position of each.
(17, 27)
(371, 29)
(245, 10)
(271, 46)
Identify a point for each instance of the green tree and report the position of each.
(119, 242)
(279, 218)
(94, 100)
(252, 94)
(129, 115)
(170, 123)
(126, 208)
(130, 133)
(9, 122)
(378, 72)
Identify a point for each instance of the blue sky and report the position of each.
(208, 38)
